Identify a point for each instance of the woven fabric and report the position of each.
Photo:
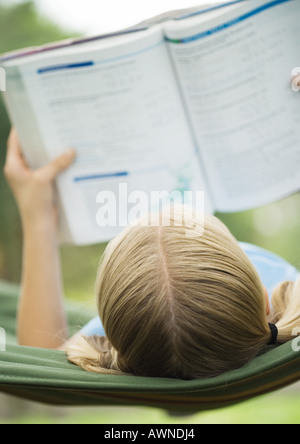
(46, 375)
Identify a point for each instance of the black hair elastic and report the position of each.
(274, 332)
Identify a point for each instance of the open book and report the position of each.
(201, 102)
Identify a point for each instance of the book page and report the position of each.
(235, 71)
(120, 108)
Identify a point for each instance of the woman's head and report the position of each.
(181, 300)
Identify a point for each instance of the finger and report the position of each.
(13, 143)
(58, 165)
(14, 156)
(13, 135)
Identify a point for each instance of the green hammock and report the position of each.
(46, 375)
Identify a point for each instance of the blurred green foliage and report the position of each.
(281, 407)
(275, 227)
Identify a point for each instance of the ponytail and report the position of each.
(286, 310)
(95, 354)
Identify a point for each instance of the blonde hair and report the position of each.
(181, 301)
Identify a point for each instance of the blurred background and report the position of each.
(275, 227)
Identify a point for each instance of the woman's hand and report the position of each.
(33, 190)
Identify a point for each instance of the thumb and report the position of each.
(58, 165)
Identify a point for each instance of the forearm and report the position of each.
(41, 317)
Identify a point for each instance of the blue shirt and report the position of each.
(271, 268)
